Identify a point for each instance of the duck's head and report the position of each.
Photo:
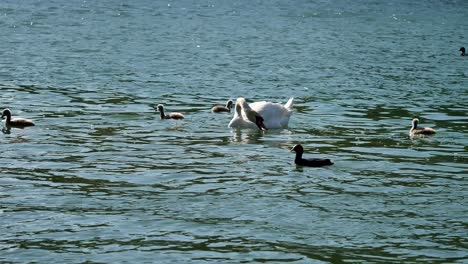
(462, 49)
(298, 149)
(6, 113)
(229, 104)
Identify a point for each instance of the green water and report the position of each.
(101, 179)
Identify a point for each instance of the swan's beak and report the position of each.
(262, 126)
(259, 123)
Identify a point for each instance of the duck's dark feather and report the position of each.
(313, 162)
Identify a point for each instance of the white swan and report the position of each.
(275, 115)
(245, 117)
(264, 115)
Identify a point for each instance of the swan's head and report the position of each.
(259, 122)
(241, 101)
(415, 122)
(462, 49)
(6, 113)
(298, 148)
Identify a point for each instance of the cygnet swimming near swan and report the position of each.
(222, 108)
(17, 122)
(163, 115)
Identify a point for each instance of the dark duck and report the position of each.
(308, 162)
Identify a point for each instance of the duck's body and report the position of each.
(222, 108)
(308, 162)
(415, 130)
(163, 115)
(274, 115)
(17, 122)
(462, 50)
(245, 117)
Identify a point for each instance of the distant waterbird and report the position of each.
(462, 50)
(17, 122)
(222, 108)
(313, 162)
(163, 115)
(415, 130)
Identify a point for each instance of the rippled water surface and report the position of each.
(101, 179)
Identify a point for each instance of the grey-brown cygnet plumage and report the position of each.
(415, 130)
(163, 115)
(17, 122)
(308, 162)
(222, 108)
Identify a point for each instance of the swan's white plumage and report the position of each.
(240, 120)
(275, 115)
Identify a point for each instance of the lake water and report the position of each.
(101, 179)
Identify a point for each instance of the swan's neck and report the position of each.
(246, 106)
(239, 110)
(251, 114)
